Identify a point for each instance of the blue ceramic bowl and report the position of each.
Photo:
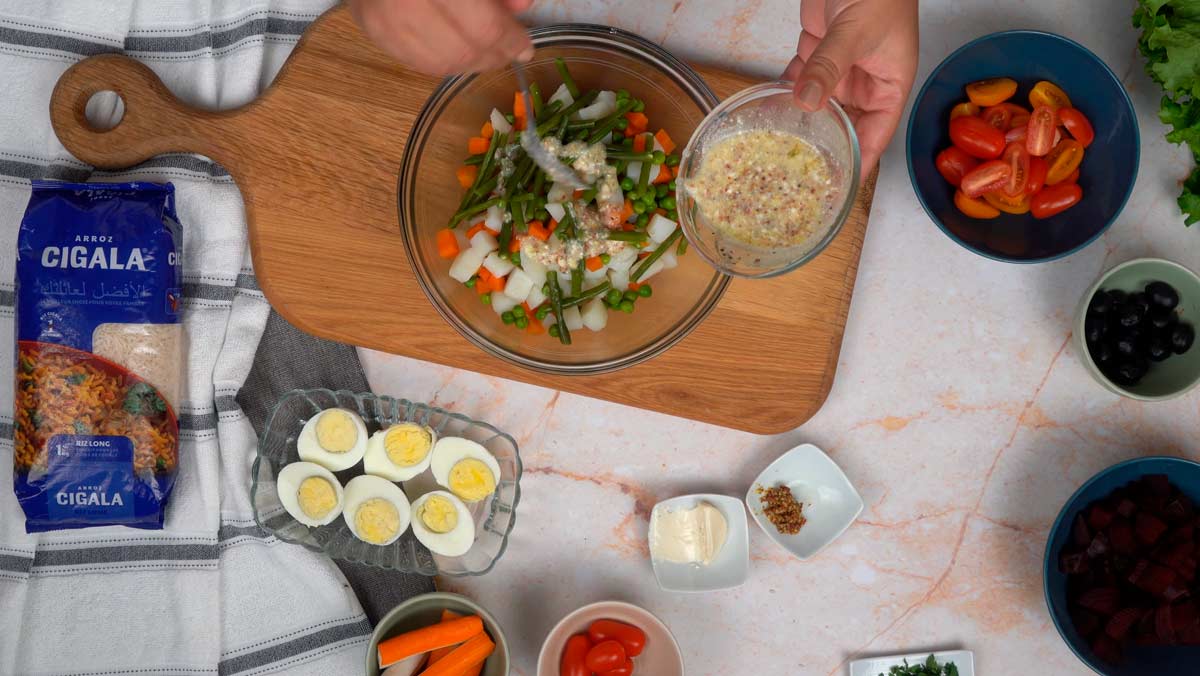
(1185, 474)
(1110, 164)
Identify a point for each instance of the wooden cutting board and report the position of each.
(316, 158)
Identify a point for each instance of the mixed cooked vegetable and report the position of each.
(548, 257)
(929, 667)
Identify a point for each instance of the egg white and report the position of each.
(449, 451)
(454, 543)
(287, 484)
(376, 460)
(366, 487)
(310, 449)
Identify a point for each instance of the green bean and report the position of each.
(527, 175)
(535, 94)
(561, 134)
(657, 254)
(580, 102)
(682, 248)
(539, 182)
(506, 232)
(564, 336)
(565, 74)
(510, 118)
(568, 221)
(472, 210)
(607, 124)
(518, 212)
(552, 107)
(622, 165)
(616, 153)
(577, 279)
(581, 298)
(485, 188)
(588, 195)
(474, 159)
(526, 197)
(644, 177)
(622, 236)
(472, 197)
(581, 124)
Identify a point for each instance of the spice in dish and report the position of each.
(781, 509)
(764, 188)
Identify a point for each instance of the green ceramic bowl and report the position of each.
(426, 609)
(1167, 379)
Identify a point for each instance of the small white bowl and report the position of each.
(830, 502)
(873, 666)
(731, 566)
(661, 657)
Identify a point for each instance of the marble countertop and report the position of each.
(960, 412)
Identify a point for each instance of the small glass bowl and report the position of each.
(494, 517)
(770, 106)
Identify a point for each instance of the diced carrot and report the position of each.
(487, 130)
(664, 175)
(435, 655)
(634, 286)
(466, 175)
(482, 287)
(440, 635)
(660, 211)
(515, 245)
(664, 140)
(535, 327)
(643, 255)
(528, 310)
(498, 283)
(477, 145)
(447, 243)
(519, 122)
(639, 143)
(594, 263)
(626, 211)
(485, 274)
(475, 229)
(553, 225)
(536, 229)
(464, 657)
(638, 121)
(577, 194)
(629, 227)
(518, 105)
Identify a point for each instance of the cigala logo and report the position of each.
(109, 258)
(85, 499)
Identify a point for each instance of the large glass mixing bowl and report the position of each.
(676, 98)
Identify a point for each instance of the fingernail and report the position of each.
(526, 56)
(810, 96)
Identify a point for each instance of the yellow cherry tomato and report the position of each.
(974, 207)
(1063, 161)
(966, 108)
(1009, 205)
(991, 92)
(1049, 94)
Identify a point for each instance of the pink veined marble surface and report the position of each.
(961, 412)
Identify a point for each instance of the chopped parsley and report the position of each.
(143, 399)
(929, 668)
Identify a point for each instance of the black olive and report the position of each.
(1160, 317)
(1095, 328)
(1129, 315)
(1182, 337)
(1130, 372)
(1115, 297)
(1099, 304)
(1141, 301)
(1158, 348)
(1126, 343)
(1102, 353)
(1163, 295)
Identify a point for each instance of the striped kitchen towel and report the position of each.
(211, 593)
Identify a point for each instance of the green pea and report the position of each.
(522, 322)
(470, 283)
(507, 317)
(510, 118)
(621, 123)
(639, 207)
(613, 297)
(518, 311)
(648, 202)
(542, 312)
(605, 258)
(673, 215)
(554, 330)
(627, 184)
(486, 298)
(622, 93)
(662, 190)
(626, 306)
(616, 137)
(643, 220)
(628, 142)
(639, 106)
(667, 202)
(659, 157)
(645, 291)
(672, 161)
(671, 186)
(542, 215)
(630, 296)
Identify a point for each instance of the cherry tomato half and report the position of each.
(953, 163)
(1073, 178)
(1055, 199)
(1077, 126)
(976, 137)
(965, 108)
(1037, 176)
(574, 656)
(1048, 94)
(605, 656)
(990, 92)
(997, 116)
(629, 636)
(1018, 160)
(1015, 109)
(1043, 123)
(986, 177)
(1063, 160)
(974, 207)
(1009, 205)
(623, 670)
(1017, 134)
(1019, 122)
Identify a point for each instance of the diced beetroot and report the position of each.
(1073, 564)
(1120, 624)
(1126, 507)
(1158, 484)
(1107, 649)
(1086, 623)
(1099, 517)
(1120, 536)
(1183, 615)
(1174, 592)
(1148, 528)
(1098, 547)
(1178, 509)
(1153, 578)
(1181, 534)
(1189, 635)
(1163, 625)
(1102, 600)
(1081, 535)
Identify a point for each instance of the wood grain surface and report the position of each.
(316, 158)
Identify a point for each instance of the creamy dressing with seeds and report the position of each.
(565, 255)
(764, 188)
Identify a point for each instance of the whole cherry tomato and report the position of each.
(974, 207)
(1018, 159)
(990, 92)
(1015, 109)
(1077, 126)
(1009, 205)
(574, 656)
(630, 637)
(1048, 94)
(997, 116)
(1063, 160)
(1037, 176)
(605, 656)
(1073, 178)
(953, 163)
(976, 137)
(1043, 123)
(965, 108)
(986, 177)
(1055, 199)
(1020, 122)
(623, 670)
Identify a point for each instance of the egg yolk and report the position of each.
(472, 480)
(316, 497)
(377, 521)
(438, 514)
(407, 445)
(336, 431)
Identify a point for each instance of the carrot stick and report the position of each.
(464, 657)
(447, 244)
(431, 638)
(639, 144)
(466, 175)
(664, 140)
(536, 329)
(536, 229)
(439, 653)
(477, 145)
(518, 105)
(626, 211)
(488, 130)
(664, 175)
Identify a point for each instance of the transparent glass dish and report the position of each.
(494, 517)
(676, 99)
(770, 106)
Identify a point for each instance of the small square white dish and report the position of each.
(731, 566)
(874, 666)
(830, 503)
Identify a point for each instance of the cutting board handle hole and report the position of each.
(104, 110)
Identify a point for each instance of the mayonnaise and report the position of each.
(688, 535)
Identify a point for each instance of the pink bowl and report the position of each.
(661, 656)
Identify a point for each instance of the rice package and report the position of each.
(99, 355)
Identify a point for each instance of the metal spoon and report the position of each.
(554, 168)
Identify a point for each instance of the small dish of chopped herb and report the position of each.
(950, 663)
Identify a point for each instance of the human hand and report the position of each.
(443, 38)
(864, 54)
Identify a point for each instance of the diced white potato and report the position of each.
(615, 198)
(562, 94)
(669, 260)
(499, 123)
(518, 285)
(496, 265)
(460, 236)
(467, 264)
(535, 297)
(657, 145)
(634, 171)
(594, 315)
(573, 318)
(484, 240)
(660, 228)
(502, 303)
(604, 105)
(623, 259)
(564, 283)
(495, 218)
(619, 279)
(557, 210)
(558, 193)
(534, 268)
(592, 278)
(654, 269)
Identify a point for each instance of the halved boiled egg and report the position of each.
(310, 493)
(335, 439)
(465, 468)
(399, 452)
(443, 524)
(376, 510)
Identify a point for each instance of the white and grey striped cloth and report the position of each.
(211, 593)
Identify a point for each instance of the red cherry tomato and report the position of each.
(976, 137)
(630, 637)
(605, 656)
(954, 163)
(1014, 109)
(1039, 139)
(1037, 175)
(574, 656)
(1016, 134)
(997, 116)
(623, 670)
(1018, 159)
(986, 177)
(1073, 178)
(1077, 126)
(1019, 121)
(1055, 199)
